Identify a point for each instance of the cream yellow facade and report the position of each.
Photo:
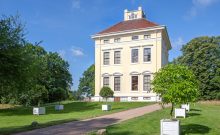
(155, 38)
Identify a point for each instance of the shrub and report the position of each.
(218, 96)
(106, 92)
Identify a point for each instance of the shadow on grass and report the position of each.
(194, 129)
(17, 129)
(68, 107)
(196, 110)
(193, 114)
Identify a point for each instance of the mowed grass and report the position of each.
(202, 119)
(18, 119)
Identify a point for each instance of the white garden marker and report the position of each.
(185, 106)
(59, 107)
(39, 110)
(106, 107)
(169, 127)
(180, 112)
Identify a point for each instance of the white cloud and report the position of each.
(178, 43)
(76, 4)
(77, 51)
(62, 53)
(197, 6)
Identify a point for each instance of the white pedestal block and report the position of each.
(180, 112)
(39, 110)
(59, 107)
(185, 106)
(169, 127)
(106, 107)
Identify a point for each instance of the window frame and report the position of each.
(117, 85)
(117, 40)
(105, 41)
(147, 57)
(104, 81)
(133, 37)
(132, 83)
(147, 36)
(117, 58)
(147, 83)
(106, 60)
(133, 57)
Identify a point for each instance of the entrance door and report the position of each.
(117, 99)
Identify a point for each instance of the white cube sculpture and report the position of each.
(59, 107)
(185, 106)
(169, 127)
(180, 112)
(106, 107)
(39, 110)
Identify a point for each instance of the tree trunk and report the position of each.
(171, 111)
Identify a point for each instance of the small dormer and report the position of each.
(135, 14)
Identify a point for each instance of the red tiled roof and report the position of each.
(129, 25)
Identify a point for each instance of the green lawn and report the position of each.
(202, 119)
(19, 118)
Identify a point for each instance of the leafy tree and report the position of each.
(87, 82)
(202, 56)
(176, 84)
(38, 94)
(12, 59)
(57, 75)
(106, 92)
(60, 94)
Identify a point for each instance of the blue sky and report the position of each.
(65, 26)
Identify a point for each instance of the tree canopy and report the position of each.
(175, 84)
(202, 56)
(87, 82)
(28, 72)
(106, 92)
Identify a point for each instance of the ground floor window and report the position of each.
(146, 83)
(106, 81)
(134, 83)
(117, 82)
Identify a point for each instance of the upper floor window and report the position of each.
(134, 83)
(106, 81)
(147, 54)
(134, 37)
(147, 36)
(116, 40)
(146, 83)
(106, 58)
(134, 55)
(106, 40)
(117, 83)
(117, 57)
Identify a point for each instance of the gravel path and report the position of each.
(88, 125)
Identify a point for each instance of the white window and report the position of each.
(117, 83)
(146, 83)
(117, 57)
(117, 40)
(134, 83)
(147, 36)
(134, 37)
(134, 98)
(147, 54)
(134, 56)
(106, 81)
(106, 58)
(146, 98)
(106, 41)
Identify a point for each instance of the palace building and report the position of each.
(126, 56)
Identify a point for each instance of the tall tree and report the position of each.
(176, 84)
(12, 58)
(202, 56)
(87, 82)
